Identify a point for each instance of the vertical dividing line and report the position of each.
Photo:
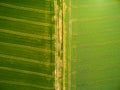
(69, 49)
(64, 45)
(63, 77)
(55, 19)
(58, 44)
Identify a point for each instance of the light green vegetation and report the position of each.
(93, 44)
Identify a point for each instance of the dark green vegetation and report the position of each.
(93, 45)
(27, 45)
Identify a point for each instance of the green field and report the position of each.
(27, 58)
(59, 44)
(93, 44)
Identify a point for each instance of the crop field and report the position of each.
(93, 45)
(88, 32)
(27, 45)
